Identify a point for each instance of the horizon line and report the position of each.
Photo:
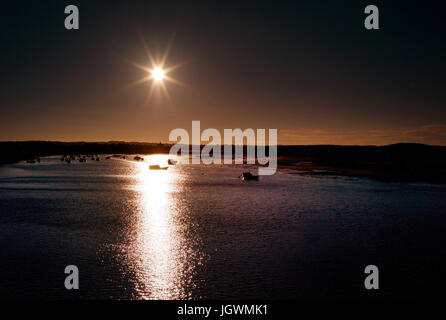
(172, 143)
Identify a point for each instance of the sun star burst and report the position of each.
(157, 71)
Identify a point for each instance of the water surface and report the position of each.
(198, 232)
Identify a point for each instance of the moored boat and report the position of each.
(248, 176)
(157, 167)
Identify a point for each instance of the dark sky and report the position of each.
(308, 68)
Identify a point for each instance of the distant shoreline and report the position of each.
(16, 151)
(404, 162)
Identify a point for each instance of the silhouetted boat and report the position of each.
(172, 162)
(138, 158)
(157, 167)
(248, 176)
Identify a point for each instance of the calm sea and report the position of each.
(199, 232)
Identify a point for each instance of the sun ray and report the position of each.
(138, 82)
(148, 52)
(174, 67)
(175, 81)
(166, 53)
(163, 86)
(139, 66)
(150, 93)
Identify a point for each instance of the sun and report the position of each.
(157, 71)
(158, 74)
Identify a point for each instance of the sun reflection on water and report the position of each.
(162, 254)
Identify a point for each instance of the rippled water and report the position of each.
(198, 232)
